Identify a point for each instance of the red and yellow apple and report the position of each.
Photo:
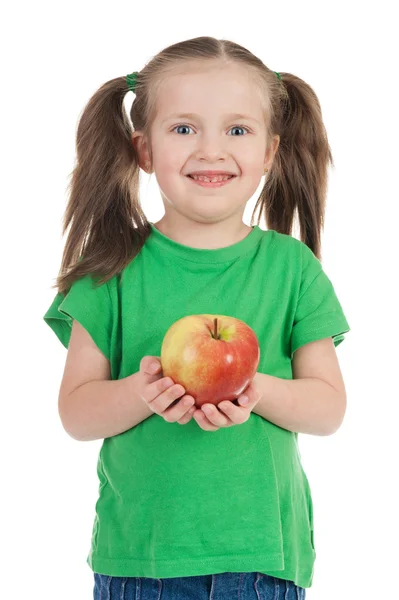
(214, 357)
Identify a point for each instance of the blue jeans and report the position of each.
(223, 586)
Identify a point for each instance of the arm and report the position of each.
(314, 401)
(91, 405)
(101, 409)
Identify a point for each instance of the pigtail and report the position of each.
(107, 223)
(298, 178)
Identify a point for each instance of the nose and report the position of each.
(210, 148)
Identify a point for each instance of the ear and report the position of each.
(140, 145)
(271, 151)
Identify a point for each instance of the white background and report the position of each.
(54, 57)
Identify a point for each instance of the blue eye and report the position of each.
(234, 127)
(187, 127)
(239, 127)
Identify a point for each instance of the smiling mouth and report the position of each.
(211, 183)
(211, 179)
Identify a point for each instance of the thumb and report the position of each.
(150, 365)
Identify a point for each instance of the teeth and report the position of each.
(213, 179)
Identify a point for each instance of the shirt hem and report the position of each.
(273, 565)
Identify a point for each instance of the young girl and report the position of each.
(197, 504)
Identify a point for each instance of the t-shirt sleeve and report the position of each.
(319, 313)
(90, 305)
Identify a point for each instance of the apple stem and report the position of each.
(216, 329)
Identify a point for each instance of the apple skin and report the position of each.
(211, 367)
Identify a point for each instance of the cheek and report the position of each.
(169, 161)
(251, 163)
(169, 174)
(170, 180)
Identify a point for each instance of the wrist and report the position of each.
(139, 405)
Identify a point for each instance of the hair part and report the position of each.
(107, 224)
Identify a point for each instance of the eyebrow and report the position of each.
(228, 117)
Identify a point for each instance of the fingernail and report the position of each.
(153, 367)
(244, 400)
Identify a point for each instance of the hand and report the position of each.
(226, 413)
(161, 394)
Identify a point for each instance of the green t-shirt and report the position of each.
(175, 500)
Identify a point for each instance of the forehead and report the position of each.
(209, 92)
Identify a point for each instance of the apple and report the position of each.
(214, 357)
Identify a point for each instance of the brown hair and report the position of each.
(108, 225)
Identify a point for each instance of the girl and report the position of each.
(197, 504)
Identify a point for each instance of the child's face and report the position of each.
(212, 140)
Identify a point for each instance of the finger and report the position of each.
(164, 400)
(161, 393)
(150, 365)
(251, 392)
(157, 387)
(203, 421)
(186, 419)
(215, 417)
(188, 415)
(236, 414)
(179, 410)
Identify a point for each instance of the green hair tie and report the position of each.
(131, 80)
